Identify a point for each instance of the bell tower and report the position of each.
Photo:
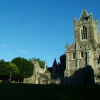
(86, 29)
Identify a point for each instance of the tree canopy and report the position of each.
(3, 69)
(12, 69)
(25, 67)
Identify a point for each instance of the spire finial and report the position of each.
(84, 5)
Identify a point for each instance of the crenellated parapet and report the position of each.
(87, 19)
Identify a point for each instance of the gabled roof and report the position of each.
(84, 15)
(76, 41)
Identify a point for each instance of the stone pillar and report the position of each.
(88, 58)
(77, 55)
(67, 61)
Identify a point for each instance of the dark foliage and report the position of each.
(26, 68)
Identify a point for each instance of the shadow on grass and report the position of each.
(22, 91)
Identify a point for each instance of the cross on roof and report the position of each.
(84, 5)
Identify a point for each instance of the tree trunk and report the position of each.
(18, 80)
(10, 75)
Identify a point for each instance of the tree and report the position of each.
(3, 69)
(25, 67)
(41, 62)
(12, 69)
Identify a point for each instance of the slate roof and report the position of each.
(84, 15)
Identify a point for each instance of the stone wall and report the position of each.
(82, 76)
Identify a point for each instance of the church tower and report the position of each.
(86, 29)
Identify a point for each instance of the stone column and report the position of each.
(67, 61)
(88, 57)
(77, 55)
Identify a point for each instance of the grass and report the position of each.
(22, 91)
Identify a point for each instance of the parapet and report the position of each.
(90, 13)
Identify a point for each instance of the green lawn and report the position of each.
(22, 91)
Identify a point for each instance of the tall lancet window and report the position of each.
(81, 34)
(84, 33)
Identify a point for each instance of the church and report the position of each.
(85, 51)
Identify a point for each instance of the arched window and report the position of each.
(84, 33)
(73, 55)
(81, 54)
(81, 34)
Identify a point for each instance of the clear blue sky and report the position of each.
(40, 28)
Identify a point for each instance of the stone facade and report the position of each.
(79, 63)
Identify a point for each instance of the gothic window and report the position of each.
(84, 33)
(73, 55)
(81, 54)
(81, 34)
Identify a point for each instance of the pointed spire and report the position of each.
(67, 45)
(84, 14)
(55, 62)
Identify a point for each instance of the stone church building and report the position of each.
(72, 68)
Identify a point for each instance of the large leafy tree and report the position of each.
(12, 69)
(3, 69)
(25, 67)
(41, 62)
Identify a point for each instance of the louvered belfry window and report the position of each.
(84, 33)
